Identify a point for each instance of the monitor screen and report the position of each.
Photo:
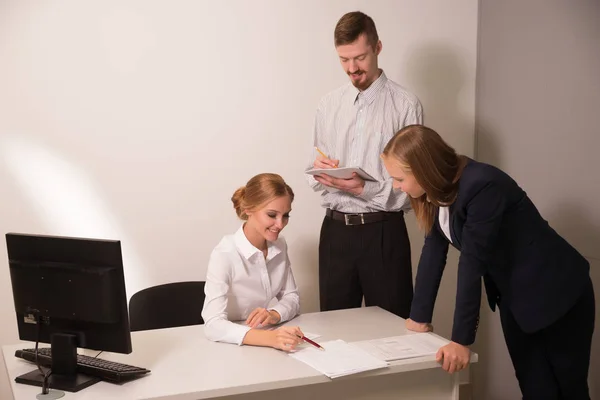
(73, 286)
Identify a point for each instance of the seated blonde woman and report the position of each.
(250, 268)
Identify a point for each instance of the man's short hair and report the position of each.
(352, 25)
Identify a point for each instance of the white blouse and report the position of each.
(444, 219)
(240, 279)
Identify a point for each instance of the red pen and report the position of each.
(318, 346)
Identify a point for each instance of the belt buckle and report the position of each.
(354, 219)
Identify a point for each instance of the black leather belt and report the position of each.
(362, 218)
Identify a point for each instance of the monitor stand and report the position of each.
(64, 369)
(60, 382)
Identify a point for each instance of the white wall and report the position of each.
(137, 120)
(538, 95)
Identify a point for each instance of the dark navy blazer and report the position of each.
(525, 265)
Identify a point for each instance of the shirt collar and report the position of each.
(371, 92)
(247, 249)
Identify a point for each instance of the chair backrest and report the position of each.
(167, 306)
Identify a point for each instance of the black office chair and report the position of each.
(167, 306)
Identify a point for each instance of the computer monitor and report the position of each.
(68, 292)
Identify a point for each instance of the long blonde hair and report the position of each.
(435, 165)
(259, 190)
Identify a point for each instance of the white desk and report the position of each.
(187, 366)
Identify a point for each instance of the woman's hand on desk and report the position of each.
(453, 357)
(262, 317)
(287, 338)
(418, 326)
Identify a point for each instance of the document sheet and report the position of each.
(338, 359)
(402, 347)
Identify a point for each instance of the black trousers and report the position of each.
(553, 363)
(370, 260)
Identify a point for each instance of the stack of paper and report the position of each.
(401, 347)
(338, 359)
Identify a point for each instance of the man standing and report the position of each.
(364, 248)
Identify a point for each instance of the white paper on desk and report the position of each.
(402, 347)
(341, 172)
(338, 359)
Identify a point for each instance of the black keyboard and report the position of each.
(105, 370)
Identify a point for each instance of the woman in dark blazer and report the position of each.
(539, 282)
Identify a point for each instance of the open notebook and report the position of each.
(338, 359)
(341, 172)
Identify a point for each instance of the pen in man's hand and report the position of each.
(323, 154)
